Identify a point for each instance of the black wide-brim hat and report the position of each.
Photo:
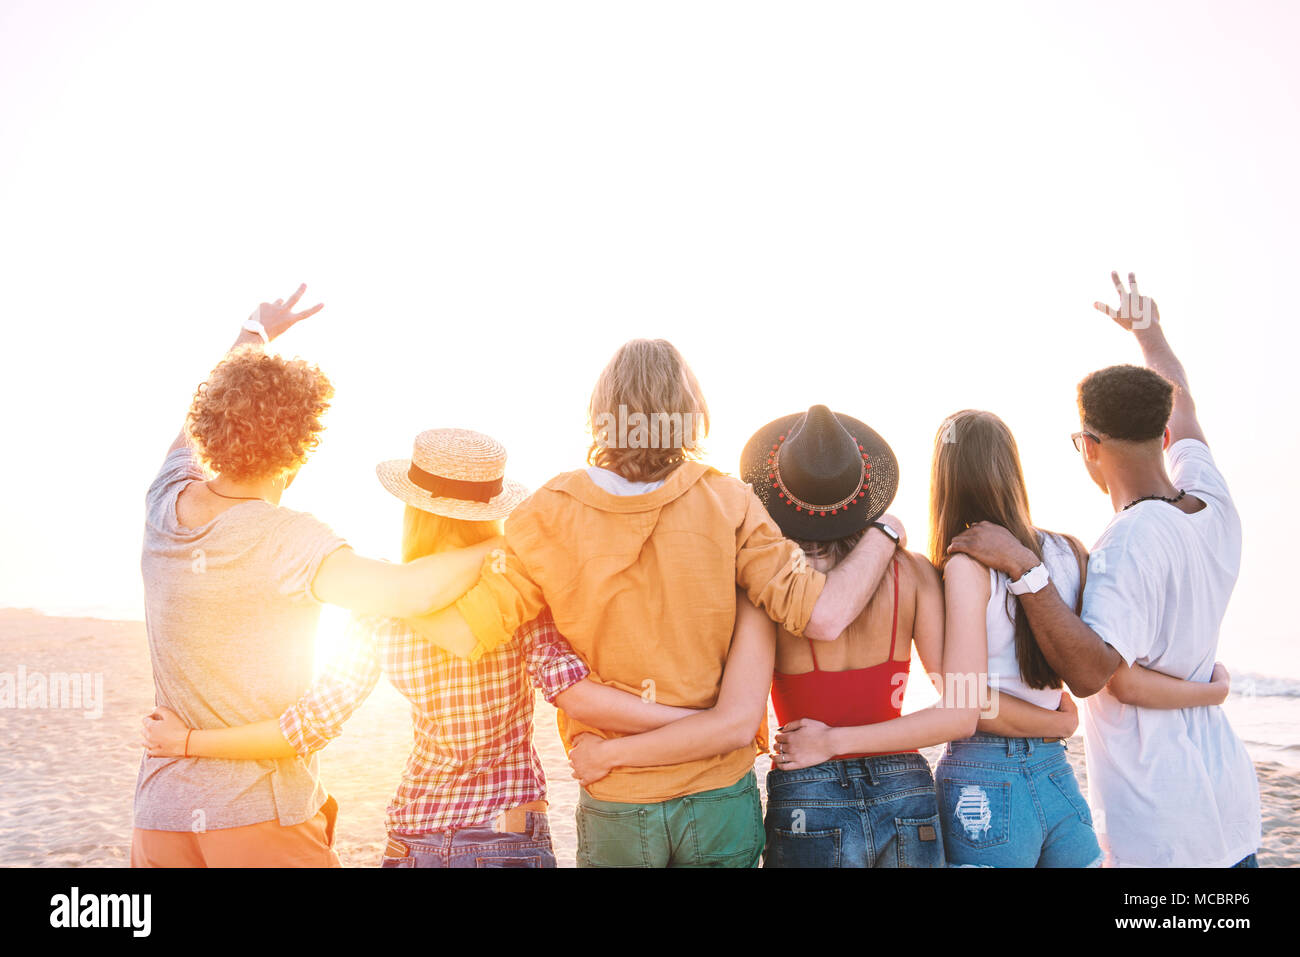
(820, 474)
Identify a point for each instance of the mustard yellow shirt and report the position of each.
(644, 588)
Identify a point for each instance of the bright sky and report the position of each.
(900, 212)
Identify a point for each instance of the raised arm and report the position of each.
(730, 724)
(1075, 652)
(1140, 316)
(1140, 686)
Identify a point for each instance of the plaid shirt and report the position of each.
(473, 756)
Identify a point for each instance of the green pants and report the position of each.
(719, 828)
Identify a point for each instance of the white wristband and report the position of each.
(255, 325)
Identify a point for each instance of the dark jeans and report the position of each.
(478, 847)
(860, 812)
(1247, 862)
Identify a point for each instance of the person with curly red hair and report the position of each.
(233, 586)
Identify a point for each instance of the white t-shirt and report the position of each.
(1168, 788)
(1003, 669)
(615, 484)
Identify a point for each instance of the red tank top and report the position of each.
(844, 699)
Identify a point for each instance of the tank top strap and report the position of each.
(893, 631)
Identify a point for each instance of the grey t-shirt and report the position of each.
(232, 625)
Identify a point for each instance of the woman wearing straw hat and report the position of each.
(473, 792)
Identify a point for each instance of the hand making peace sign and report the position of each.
(1136, 312)
(276, 317)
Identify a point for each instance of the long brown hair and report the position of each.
(976, 477)
(424, 533)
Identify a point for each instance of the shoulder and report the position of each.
(289, 521)
(962, 570)
(916, 568)
(1192, 467)
(181, 466)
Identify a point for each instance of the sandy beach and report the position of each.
(69, 775)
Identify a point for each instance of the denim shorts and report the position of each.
(1013, 802)
(858, 812)
(478, 847)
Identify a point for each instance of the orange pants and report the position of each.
(310, 844)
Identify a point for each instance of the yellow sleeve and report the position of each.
(504, 598)
(773, 571)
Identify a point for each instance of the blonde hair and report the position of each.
(424, 533)
(647, 387)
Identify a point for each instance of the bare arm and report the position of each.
(262, 739)
(600, 706)
(729, 725)
(1075, 652)
(851, 583)
(1013, 717)
(928, 621)
(308, 725)
(952, 717)
(1139, 315)
(1140, 686)
(372, 587)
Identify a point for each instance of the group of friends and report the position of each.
(657, 603)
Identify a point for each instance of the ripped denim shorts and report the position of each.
(1013, 802)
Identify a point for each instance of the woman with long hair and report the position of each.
(472, 793)
(1008, 796)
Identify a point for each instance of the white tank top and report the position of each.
(1004, 672)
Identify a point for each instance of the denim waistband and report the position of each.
(984, 741)
(844, 769)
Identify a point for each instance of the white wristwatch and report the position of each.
(1034, 580)
(252, 324)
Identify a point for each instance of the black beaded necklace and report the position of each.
(1157, 498)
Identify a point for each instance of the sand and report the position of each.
(68, 778)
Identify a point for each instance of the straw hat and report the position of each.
(822, 475)
(456, 473)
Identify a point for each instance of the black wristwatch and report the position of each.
(888, 531)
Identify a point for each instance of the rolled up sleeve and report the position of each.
(774, 572)
(553, 666)
(505, 598)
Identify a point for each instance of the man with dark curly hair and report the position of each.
(1172, 787)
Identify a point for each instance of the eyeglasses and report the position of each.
(1078, 447)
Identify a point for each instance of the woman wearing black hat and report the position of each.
(844, 744)
(826, 479)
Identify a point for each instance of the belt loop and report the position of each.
(1011, 747)
(870, 765)
(841, 773)
(1029, 743)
